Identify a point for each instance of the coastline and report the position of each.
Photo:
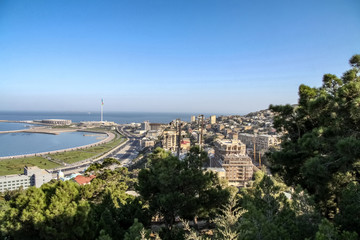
(110, 137)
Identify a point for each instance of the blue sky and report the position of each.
(170, 56)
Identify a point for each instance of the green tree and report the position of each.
(180, 188)
(65, 210)
(327, 231)
(269, 214)
(321, 146)
(136, 232)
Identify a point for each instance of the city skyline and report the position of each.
(161, 56)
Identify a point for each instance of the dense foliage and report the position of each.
(321, 147)
(180, 188)
(65, 210)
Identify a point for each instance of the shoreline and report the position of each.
(110, 137)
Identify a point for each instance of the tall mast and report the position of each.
(102, 106)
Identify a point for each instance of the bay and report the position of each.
(9, 126)
(26, 143)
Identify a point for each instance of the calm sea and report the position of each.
(118, 117)
(26, 143)
(5, 126)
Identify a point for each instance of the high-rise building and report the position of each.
(231, 155)
(169, 140)
(213, 119)
(192, 119)
(145, 126)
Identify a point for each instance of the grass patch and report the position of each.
(79, 155)
(16, 165)
(72, 156)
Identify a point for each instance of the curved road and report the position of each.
(129, 151)
(125, 153)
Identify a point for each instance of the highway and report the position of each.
(125, 154)
(129, 151)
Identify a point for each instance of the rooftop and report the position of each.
(82, 180)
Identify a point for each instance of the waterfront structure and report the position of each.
(92, 124)
(56, 121)
(213, 119)
(231, 155)
(33, 176)
(169, 140)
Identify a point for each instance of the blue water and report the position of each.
(26, 143)
(5, 126)
(118, 117)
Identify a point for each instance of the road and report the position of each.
(125, 154)
(130, 150)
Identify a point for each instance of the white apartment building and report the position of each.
(33, 176)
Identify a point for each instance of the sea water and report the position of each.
(26, 143)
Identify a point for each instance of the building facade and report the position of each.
(231, 155)
(56, 121)
(169, 140)
(156, 126)
(213, 119)
(33, 176)
(262, 142)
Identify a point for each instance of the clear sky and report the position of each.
(170, 56)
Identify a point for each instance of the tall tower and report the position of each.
(102, 106)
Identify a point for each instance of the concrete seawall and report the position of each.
(110, 136)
